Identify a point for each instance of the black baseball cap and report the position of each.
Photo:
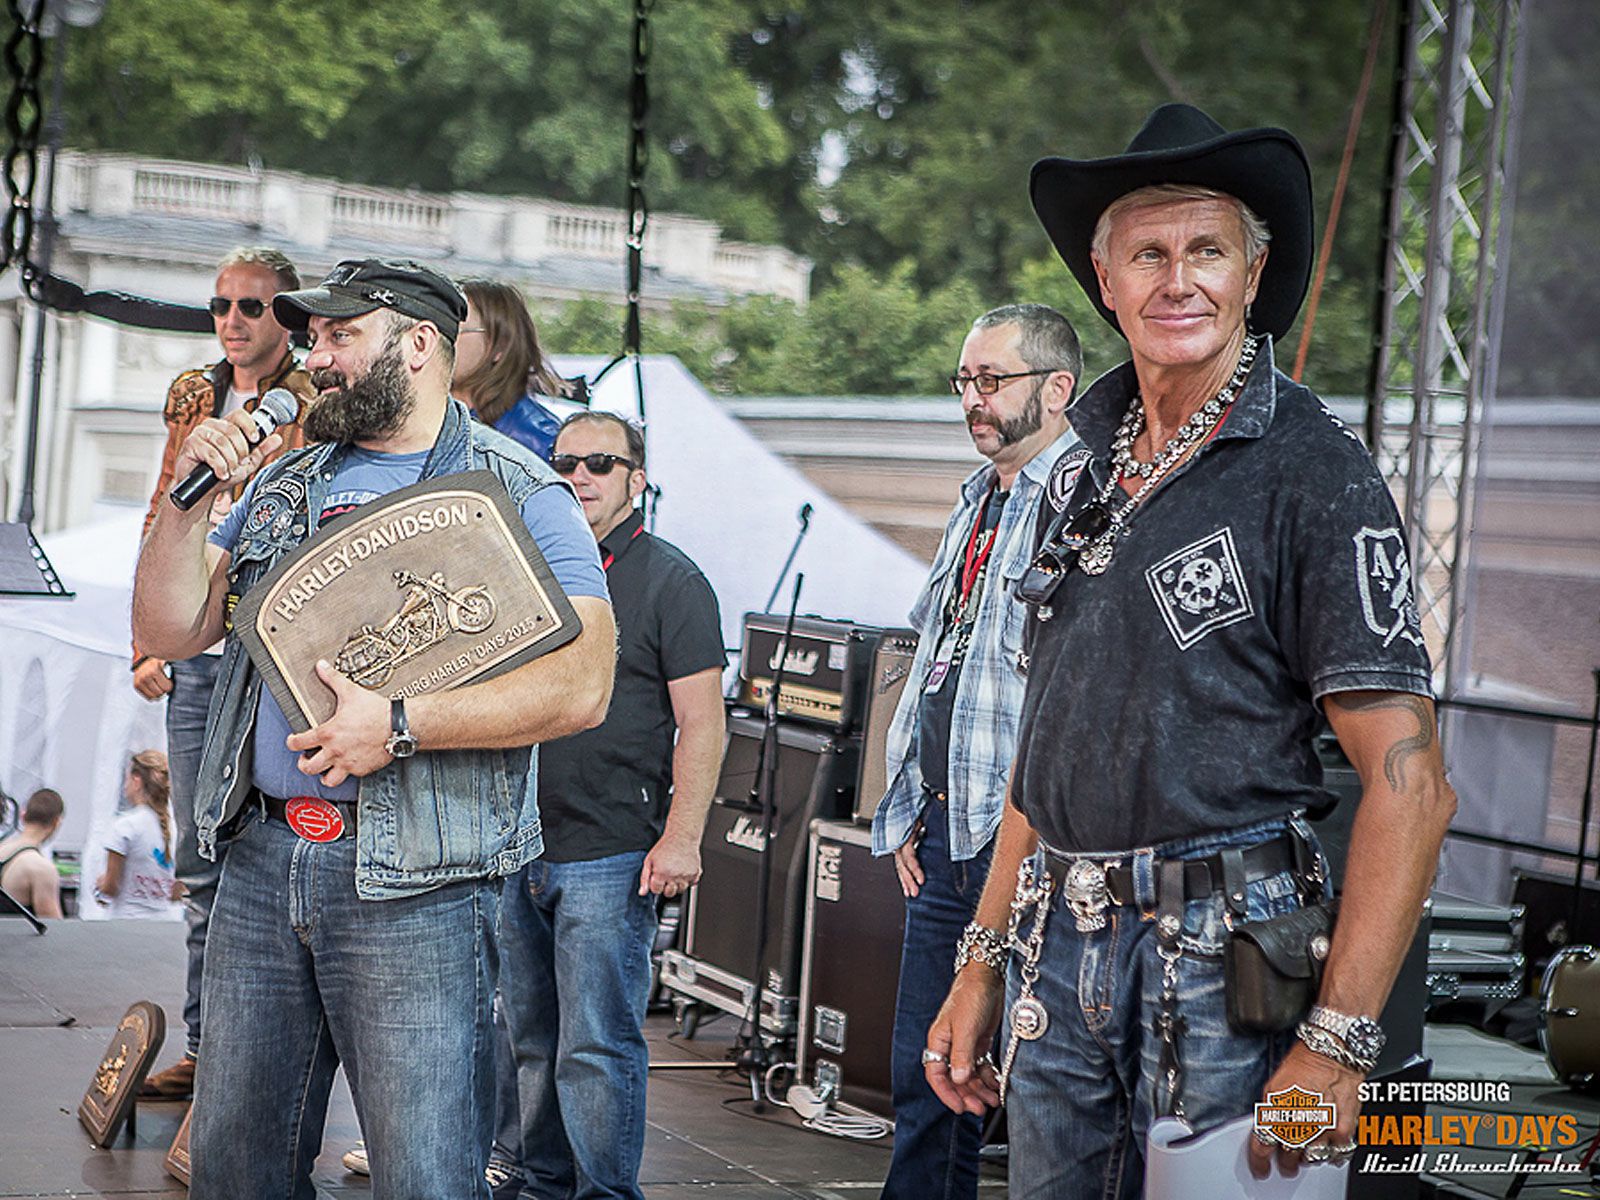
(359, 285)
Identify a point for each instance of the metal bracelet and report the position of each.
(1320, 1041)
(981, 944)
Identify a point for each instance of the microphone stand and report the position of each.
(805, 527)
(752, 1051)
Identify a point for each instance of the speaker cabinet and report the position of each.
(816, 778)
(855, 922)
(891, 667)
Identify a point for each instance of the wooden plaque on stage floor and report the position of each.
(110, 1098)
(430, 587)
(177, 1163)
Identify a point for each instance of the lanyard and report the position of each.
(605, 563)
(977, 556)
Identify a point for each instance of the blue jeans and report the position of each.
(1082, 1097)
(575, 943)
(193, 680)
(935, 1150)
(303, 976)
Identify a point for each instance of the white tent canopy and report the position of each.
(69, 717)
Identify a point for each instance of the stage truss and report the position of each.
(1448, 216)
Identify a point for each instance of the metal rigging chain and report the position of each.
(24, 56)
(638, 163)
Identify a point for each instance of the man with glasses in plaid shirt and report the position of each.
(255, 358)
(954, 733)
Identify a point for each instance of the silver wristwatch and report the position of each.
(1361, 1038)
(402, 742)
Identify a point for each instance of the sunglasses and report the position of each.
(596, 464)
(1059, 554)
(249, 306)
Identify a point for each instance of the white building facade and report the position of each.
(156, 228)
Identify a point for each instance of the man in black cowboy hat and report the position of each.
(1229, 562)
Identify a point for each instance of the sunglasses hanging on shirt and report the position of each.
(1060, 552)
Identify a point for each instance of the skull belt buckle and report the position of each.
(1086, 894)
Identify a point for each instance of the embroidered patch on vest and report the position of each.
(1064, 476)
(1383, 579)
(1200, 588)
(275, 506)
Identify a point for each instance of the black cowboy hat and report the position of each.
(1265, 168)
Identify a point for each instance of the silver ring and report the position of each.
(1338, 1154)
(932, 1056)
(1319, 1152)
(1262, 1136)
(985, 1060)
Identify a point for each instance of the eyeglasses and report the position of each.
(471, 329)
(597, 464)
(1059, 554)
(248, 306)
(988, 384)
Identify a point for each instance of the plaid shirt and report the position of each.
(988, 700)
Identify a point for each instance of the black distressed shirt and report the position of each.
(1174, 695)
(605, 791)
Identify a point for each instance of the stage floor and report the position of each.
(62, 994)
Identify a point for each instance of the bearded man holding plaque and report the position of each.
(354, 923)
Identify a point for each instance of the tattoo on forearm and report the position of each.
(1400, 754)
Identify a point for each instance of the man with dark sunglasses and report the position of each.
(955, 730)
(623, 806)
(255, 358)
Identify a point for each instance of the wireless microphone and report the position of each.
(277, 407)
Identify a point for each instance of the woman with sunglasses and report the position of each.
(498, 359)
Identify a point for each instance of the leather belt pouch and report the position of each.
(1272, 969)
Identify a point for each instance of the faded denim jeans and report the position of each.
(575, 940)
(193, 680)
(302, 976)
(1081, 1098)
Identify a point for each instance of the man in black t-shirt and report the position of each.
(1229, 562)
(623, 807)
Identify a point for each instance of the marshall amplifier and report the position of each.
(816, 778)
(891, 666)
(855, 918)
(824, 672)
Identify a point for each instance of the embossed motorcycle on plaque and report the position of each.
(425, 589)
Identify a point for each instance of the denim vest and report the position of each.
(423, 821)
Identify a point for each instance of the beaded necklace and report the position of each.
(1096, 556)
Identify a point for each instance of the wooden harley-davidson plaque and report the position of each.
(112, 1091)
(427, 588)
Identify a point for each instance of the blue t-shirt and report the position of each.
(553, 516)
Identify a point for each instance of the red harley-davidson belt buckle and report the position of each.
(314, 818)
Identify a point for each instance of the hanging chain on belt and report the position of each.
(1169, 1022)
(24, 58)
(1029, 1019)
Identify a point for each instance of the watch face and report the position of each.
(402, 745)
(1365, 1037)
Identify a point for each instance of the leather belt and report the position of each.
(313, 818)
(1202, 877)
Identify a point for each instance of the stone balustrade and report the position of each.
(514, 231)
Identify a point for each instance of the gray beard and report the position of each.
(372, 407)
(1025, 424)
